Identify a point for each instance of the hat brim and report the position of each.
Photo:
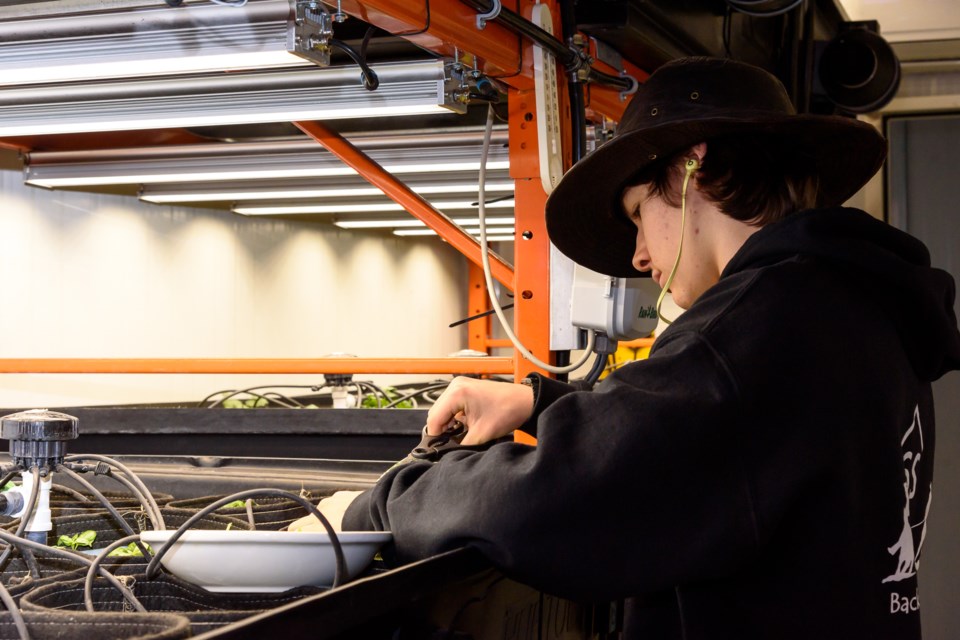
(584, 216)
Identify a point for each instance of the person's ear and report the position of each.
(698, 152)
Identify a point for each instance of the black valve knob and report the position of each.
(38, 437)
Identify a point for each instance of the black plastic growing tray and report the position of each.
(196, 455)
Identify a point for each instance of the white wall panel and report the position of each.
(909, 20)
(92, 275)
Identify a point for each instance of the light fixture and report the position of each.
(56, 42)
(222, 161)
(360, 207)
(491, 232)
(406, 88)
(319, 188)
(397, 223)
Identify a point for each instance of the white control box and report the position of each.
(621, 308)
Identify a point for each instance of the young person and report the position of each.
(767, 472)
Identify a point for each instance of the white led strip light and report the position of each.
(407, 88)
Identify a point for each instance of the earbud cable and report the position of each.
(691, 168)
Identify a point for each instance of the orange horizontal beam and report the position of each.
(400, 193)
(257, 365)
(449, 27)
(607, 101)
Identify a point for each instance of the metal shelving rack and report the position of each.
(448, 28)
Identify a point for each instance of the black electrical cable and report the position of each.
(233, 392)
(370, 79)
(366, 42)
(7, 477)
(283, 400)
(578, 115)
(28, 558)
(103, 501)
(71, 492)
(579, 119)
(596, 369)
(377, 392)
(745, 8)
(95, 566)
(76, 557)
(562, 359)
(132, 488)
(362, 386)
(15, 614)
(143, 494)
(484, 314)
(809, 20)
(491, 98)
(624, 83)
(416, 393)
(25, 517)
(571, 59)
(565, 56)
(32, 566)
(426, 25)
(726, 30)
(209, 398)
(431, 396)
(492, 200)
(340, 573)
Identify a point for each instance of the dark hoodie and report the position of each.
(766, 473)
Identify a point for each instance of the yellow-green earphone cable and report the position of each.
(690, 168)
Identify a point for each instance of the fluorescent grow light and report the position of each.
(220, 162)
(95, 40)
(491, 232)
(397, 223)
(406, 88)
(360, 207)
(303, 190)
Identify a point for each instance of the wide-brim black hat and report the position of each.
(683, 103)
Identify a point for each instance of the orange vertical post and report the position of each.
(531, 310)
(532, 248)
(478, 302)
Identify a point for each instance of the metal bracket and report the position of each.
(453, 88)
(483, 18)
(634, 85)
(310, 33)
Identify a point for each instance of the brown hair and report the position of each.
(754, 179)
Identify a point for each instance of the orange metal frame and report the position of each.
(447, 27)
(405, 197)
(258, 365)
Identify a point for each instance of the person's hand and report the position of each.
(332, 509)
(489, 409)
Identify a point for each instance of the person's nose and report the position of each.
(641, 258)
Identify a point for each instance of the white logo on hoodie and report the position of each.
(908, 554)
